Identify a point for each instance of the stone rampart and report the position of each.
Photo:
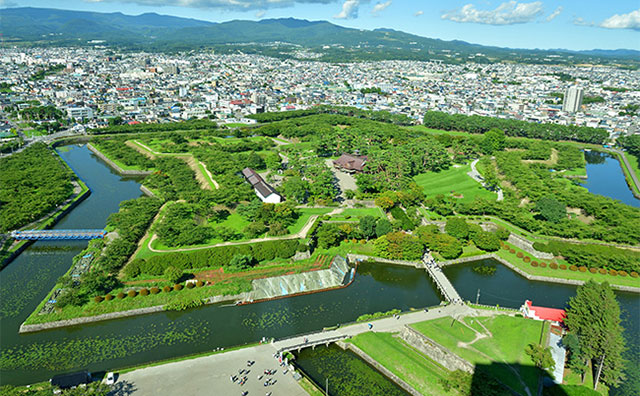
(113, 165)
(435, 351)
(527, 246)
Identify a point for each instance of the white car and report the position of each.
(111, 379)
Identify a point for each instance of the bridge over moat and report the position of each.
(57, 235)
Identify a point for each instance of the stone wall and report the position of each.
(435, 351)
(527, 246)
(354, 257)
(401, 383)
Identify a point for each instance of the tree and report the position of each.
(487, 241)
(385, 201)
(551, 209)
(493, 141)
(540, 356)
(383, 227)
(329, 235)
(594, 317)
(448, 246)
(241, 261)
(457, 227)
(368, 226)
(173, 274)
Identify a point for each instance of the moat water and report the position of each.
(605, 177)
(108, 345)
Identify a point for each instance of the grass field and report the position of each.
(410, 365)
(502, 351)
(562, 274)
(453, 181)
(635, 167)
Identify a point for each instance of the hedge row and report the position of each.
(574, 268)
(214, 257)
(146, 292)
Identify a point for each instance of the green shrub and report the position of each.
(120, 295)
(603, 271)
(543, 265)
(166, 289)
(199, 283)
(562, 267)
(155, 290)
(183, 304)
(98, 299)
(613, 272)
(108, 297)
(634, 274)
(582, 268)
(191, 285)
(593, 270)
(526, 259)
(177, 287)
(144, 292)
(553, 266)
(573, 268)
(519, 255)
(132, 293)
(534, 263)
(622, 273)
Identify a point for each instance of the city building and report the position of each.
(572, 99)
(80, 113)
(350, 163)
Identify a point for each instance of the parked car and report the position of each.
(111, 379)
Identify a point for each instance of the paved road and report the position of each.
(634, 177)
(210, 375)
(475, 175)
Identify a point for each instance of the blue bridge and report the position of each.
(57, 235)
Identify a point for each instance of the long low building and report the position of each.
(264, 191)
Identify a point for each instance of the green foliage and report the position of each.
(502, 233)
(457, 227)
(540, 356)
(593, 256)
(329, 235)
(381, 116)
(92, 389)
(377, 315)
(449, 247)
(383, 227)
(241, 262)
(487, 241)
(367, 226)
(32, 183)
(171, 126)
(218, 256)
(173, 274)
(594, 317)
(399, 246)
(569, 390)
(179, 228)
(182, 304)
(116, 149)
(42, 73)
(493, 140)
(480, 124)
(402, 218)
(484, 269)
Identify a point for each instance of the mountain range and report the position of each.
(274, 37)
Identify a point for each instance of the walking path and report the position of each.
(442, 282)
(633, 175)
(301, 234)
(475, 175)
(204, 374)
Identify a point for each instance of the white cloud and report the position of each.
(581, 22)
(349, 10)
(507, 13)
(379, 7)
(222, 4)
(554, 14)
(624, 21)
(418, 13)
(260, 14)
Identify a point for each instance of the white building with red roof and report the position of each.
(542, 313)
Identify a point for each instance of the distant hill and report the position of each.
(273, 37)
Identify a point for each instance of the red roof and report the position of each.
(553, 314)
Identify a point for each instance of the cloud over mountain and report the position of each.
(624, 21)
(507, 13)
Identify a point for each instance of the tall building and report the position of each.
(572, 99)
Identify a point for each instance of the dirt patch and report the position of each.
(523, 202)
(200, 177)
(553, 159)
(343, 127)
(580, 215)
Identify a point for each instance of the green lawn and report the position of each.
(563, 274)
(398, 357)
(453, 181)
(305, 214)
(635, 167)
(121, 164)
(357, 213)
(502, 353)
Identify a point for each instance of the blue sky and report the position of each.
(572, 24)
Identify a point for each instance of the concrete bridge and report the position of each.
(57, 235)
(311, 341)
(442, 282)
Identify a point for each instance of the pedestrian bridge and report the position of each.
(57, 235)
